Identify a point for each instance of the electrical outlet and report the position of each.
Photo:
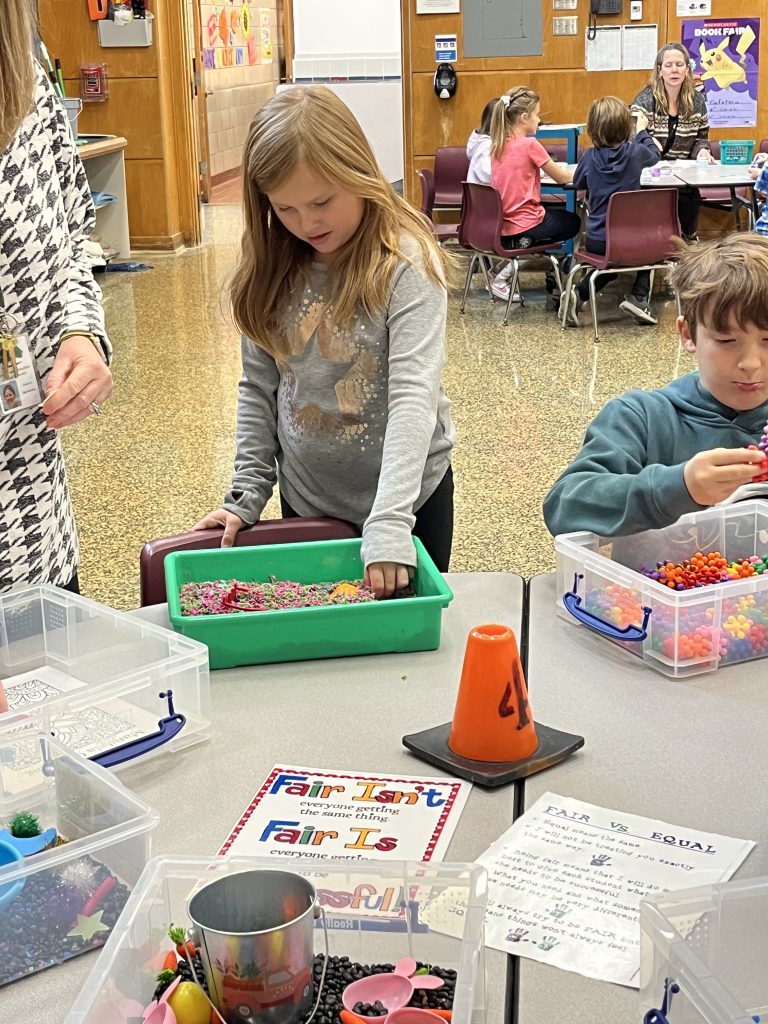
(636, 10)
(565, 26)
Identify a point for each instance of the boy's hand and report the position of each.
(712, 476)
(754, 173)
(232, 525)
(384, 578)
(642, 121)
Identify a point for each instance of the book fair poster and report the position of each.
(725, 55)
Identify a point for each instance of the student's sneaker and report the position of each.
(501, 290)
(637, 309)
(574, 308)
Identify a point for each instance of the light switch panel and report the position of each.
(636, 10)
(565, 26)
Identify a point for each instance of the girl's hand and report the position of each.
(232, 525)
(384, 578)
(80, 378)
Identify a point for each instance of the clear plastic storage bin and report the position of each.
(679, 633)
(708, 947)
(64, 900)
(99, 678)
(376, 913)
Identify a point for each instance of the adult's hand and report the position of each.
(708, 154)
(80, 379)
(221, 517)
(641, 120)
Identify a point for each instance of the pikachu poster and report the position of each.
(725, 56)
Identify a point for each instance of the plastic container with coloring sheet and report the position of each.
(99, 679)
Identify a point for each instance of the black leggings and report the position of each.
(688, 200)
(641, 289)
(557, 226)
(434, 521)
(73, 586)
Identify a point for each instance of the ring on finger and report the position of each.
(96, 407)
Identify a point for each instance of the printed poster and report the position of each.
(566, 879)
(725, 53)
(318, 813)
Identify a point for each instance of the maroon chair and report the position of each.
(451, 167)
(442, 232)
(639, 228)
(269, 531)
(480, 231)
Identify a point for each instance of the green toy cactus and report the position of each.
(24, 826)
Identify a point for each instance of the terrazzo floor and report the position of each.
(161, 455)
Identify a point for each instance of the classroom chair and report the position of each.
(442, 232)
(450, 170)
(480, 231)
(731, 200)
(638, 232)
(269, 531)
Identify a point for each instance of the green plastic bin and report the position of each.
(300, 634)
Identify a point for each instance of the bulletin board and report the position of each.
(235, 34)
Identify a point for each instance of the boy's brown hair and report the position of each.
(609, 122)
(716, 280)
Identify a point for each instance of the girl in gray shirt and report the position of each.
(341, 299)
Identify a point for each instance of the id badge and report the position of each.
(20, 386)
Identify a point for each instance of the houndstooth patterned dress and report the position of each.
(46, 214)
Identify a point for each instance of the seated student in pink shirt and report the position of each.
(517, 160)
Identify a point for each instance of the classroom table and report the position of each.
(687, 751)
(342, 713)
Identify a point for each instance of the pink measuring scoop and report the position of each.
(393, 990)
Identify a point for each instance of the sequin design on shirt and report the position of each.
(332, 377)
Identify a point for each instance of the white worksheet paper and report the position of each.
(566, 880)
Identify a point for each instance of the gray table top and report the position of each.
(687, 751)
(313, 714)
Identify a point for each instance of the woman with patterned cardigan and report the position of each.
(677, 120)
(49, 297)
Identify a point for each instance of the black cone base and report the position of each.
(432, 746)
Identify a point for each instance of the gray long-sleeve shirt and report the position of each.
(354, 422)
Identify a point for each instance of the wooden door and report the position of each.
(200, 102)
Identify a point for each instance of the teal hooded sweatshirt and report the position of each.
(628, 475)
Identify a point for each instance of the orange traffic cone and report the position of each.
(492, 720)
(493, 738)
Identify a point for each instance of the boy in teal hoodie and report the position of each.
(651, 456)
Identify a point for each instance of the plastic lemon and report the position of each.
(189, 1004)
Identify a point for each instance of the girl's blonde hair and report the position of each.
(687, 92)
(507, 112)
(17, 72)
(312, 125)
(609, 122)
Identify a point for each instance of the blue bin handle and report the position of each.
(572, 602)
(167, 728)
